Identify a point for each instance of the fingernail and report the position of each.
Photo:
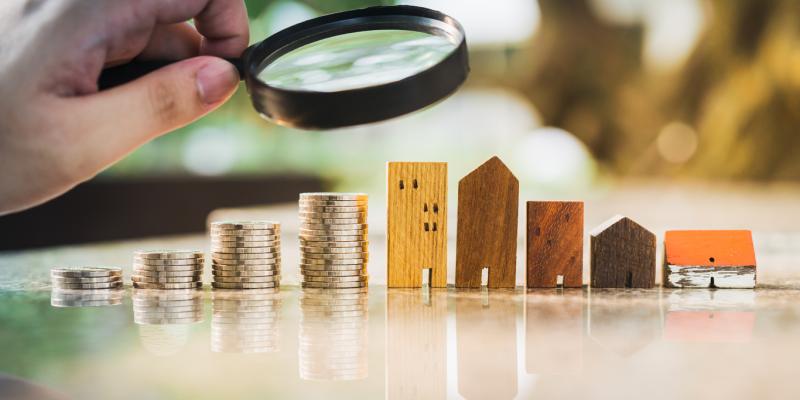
(215, 81)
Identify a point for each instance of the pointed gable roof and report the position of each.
(615, 221)
(492, 167)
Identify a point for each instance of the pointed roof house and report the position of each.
(623, 255)
(488, 200)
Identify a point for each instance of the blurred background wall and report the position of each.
(574, 95)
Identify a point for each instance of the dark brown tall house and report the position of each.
(554, 244)
(623, 255)
(487, 226)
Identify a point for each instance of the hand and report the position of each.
(57, 130)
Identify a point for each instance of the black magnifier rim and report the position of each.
(329, 110)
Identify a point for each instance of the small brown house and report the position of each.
(623, 255)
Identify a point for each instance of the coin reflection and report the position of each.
(245, 321)
(164, 317)
(416, 335)
(486, 335)
(86, 298)
(623, 321)
(708, 315)
(333, 334)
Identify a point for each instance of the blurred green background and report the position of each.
(570, 93)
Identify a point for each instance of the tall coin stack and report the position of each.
(168, 269)
(333, 240)
(246, 255)
(86, 278)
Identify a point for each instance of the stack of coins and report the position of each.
(246, 255)
(333, 334)
(86, 298)
(168, 269)
(245, 321)
(164, 318)
(86, 278)
(333, 240)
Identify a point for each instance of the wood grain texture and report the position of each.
(416, 344)
(623, 255)
(416, 225)
(486, 342)
(488, 199)
(554, 243)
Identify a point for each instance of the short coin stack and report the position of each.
(333, 240)
(86, 278)
(168, 269)
(246, 255)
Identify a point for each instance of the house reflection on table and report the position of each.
(486, 336)
(623, 321)
(709, 315)
(554, 333)
(245, 321)
(164, 318)
(333, 335)
(416, 343)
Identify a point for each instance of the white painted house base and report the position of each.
(681, 276)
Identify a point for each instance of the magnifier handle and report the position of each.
(122, 74)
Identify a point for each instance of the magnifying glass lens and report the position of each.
(357, 60)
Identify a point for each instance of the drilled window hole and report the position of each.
(435, 208)
(402, 185)
(427, 227)
(434, 227)
(415, 184)
(711, 259)
(425, 207)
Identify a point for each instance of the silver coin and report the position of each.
(325, 245)
(245, 250)
(169, 274)
(333, 279)
(252, 244)
(343, 261)
(345, 256)
(333, 196)
(352, 272)
(305, 233)
(263, 285)
(333, 227)
(269, 263)
(360, 209)
(245, 273)
(323, 213)
(307, 239)
(191, 285)
(156, 262)
(88, 272)
(333, 285)
(335, 250)
(107, 279)
(165, 321)
(262, 269)
(245, 232)
(246, 238)
(160, 271)
(168, 254)
(104, 285)
(216, 256)
(333, 203)
(164, 279)
(245, 225)
(239, 279)
(332, 220)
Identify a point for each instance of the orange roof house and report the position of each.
(716, 259)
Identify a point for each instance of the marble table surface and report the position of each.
(408, 343)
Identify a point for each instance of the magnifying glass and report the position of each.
(345, 69)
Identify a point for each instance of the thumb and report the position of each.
(112, 123)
